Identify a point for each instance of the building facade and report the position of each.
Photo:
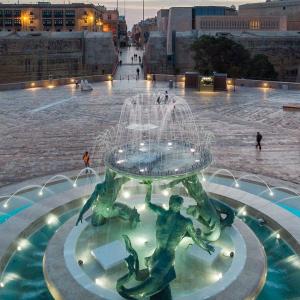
(31, 56)
(140, 32)
(288, 8)
(281, 48)
(45, 16)
(241, 23)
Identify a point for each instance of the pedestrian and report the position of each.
(158, 100)
(153, 79)
(173, 114)
(131, 60)
(86, 159)
(140, 59)
(77, 83)
(120, 62)
(166, 97)
(138, 73)
(258, 140)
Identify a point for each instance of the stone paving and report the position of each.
(46, 131)
(128, 68)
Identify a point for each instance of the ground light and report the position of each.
(126, 194)
(2, 285)
(277, 236)
(165, 193)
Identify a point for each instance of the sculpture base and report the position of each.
(195, 280)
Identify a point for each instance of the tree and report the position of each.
(261, 68)
(223, 55)
(219, 54)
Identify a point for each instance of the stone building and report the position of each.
(30, 56)
(288, 8)
(141, 31)
(282, 49)
(45, 16)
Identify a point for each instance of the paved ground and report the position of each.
(128, 68)
(45, 131)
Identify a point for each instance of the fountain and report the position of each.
(161, 143)
(155, 229)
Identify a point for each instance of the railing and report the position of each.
(265, 84)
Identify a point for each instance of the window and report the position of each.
(47, 22)
(8, 13)
(58, 13)
(17, 22)
(47, 13)
(58, 22)
(8, 22)
(17, 13)
(70, 22)
(70, 13)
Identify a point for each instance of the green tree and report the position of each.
(261, 68)
(223, 55)
(219, 54)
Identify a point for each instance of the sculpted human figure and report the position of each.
(171, 228)
(208, 212)
(103, 202)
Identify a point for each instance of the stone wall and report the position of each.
(283, 50)
(44, 55)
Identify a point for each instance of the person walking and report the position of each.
(258, 140)
(166, 97)
(86, 160)
(138, 73)
(154, 79)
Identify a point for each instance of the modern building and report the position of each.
(280, 47)
(288, 8)
(241, 23)
(180, 19)
(31, 56)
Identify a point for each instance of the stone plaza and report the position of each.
(46, 131)
(177, 174)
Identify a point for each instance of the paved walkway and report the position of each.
(128, 69)
(45, 131)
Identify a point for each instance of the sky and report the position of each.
(133, 8)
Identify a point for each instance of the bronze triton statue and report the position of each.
(103, 202)
(171, 228)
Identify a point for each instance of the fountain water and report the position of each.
(158, 140)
